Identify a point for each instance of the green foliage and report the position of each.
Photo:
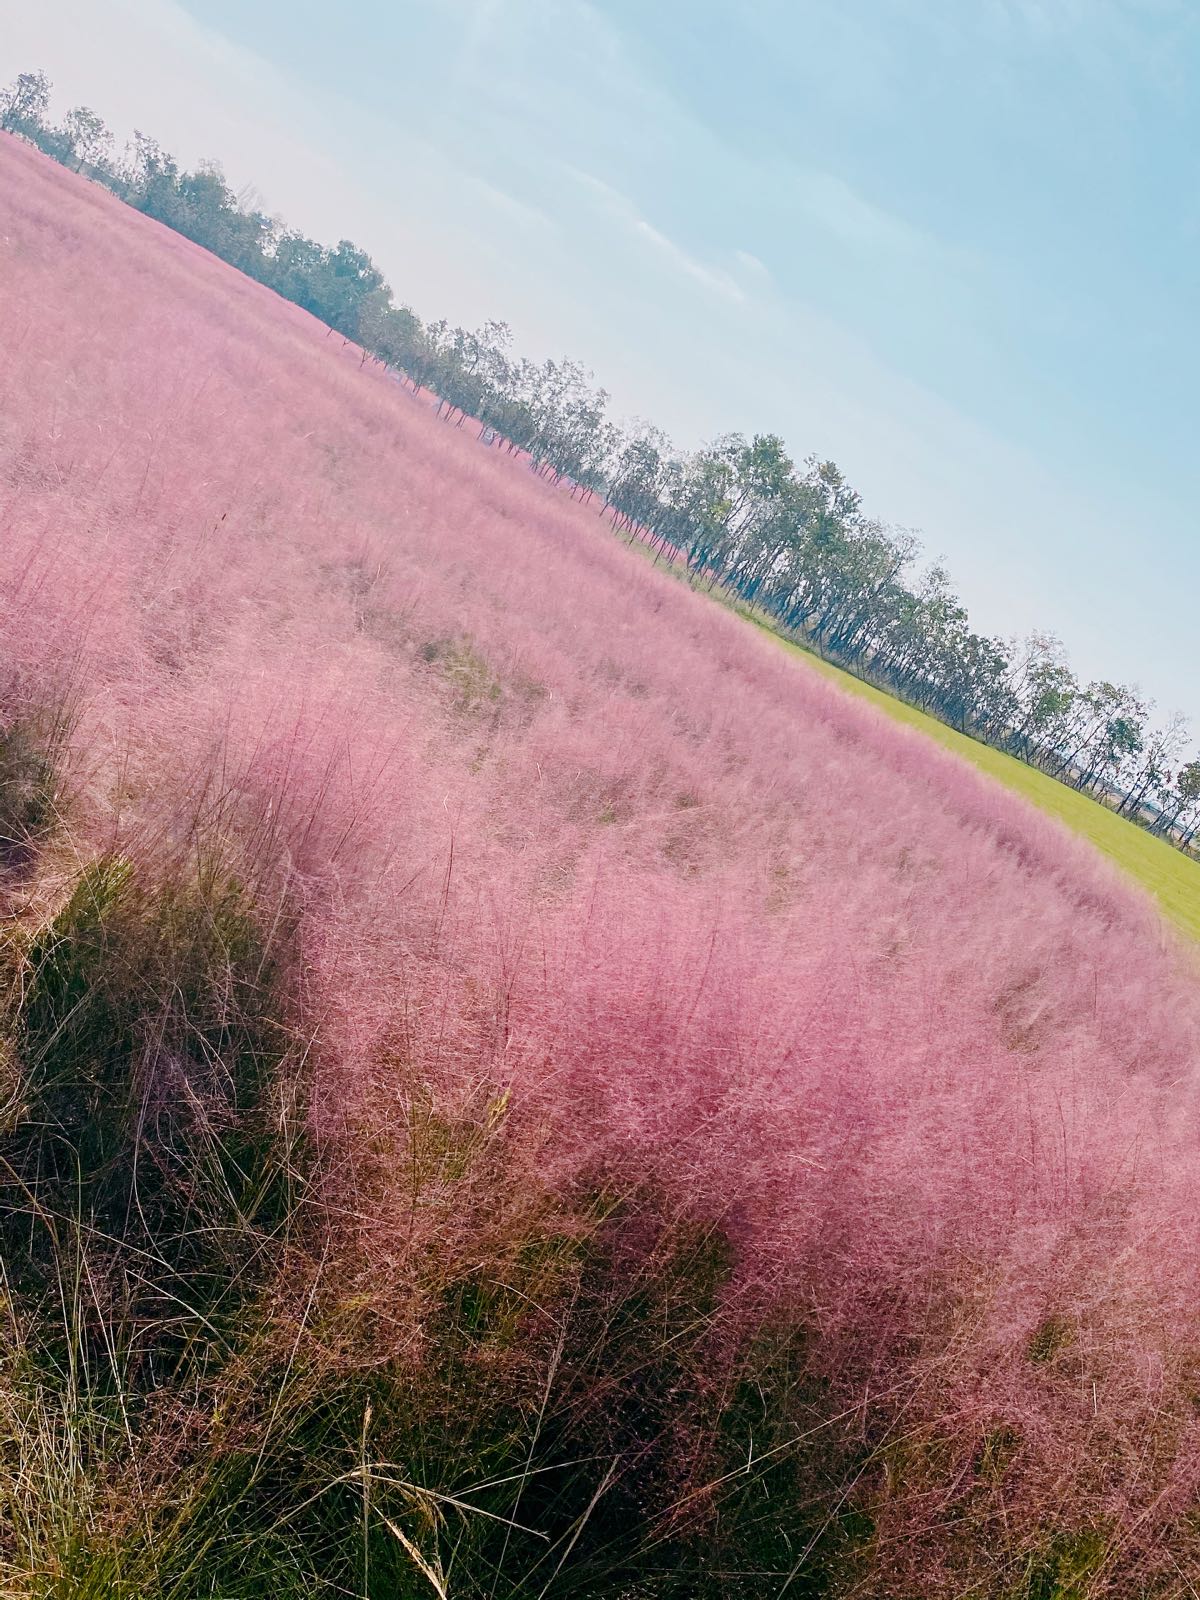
(1062, 1570)
(567, 1426)
(28, 791)
(1050, 1339)
(997, 1452)
(788, 1508)
(473, 686)
(147, 1035)
(24, 102)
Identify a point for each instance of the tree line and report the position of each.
(789, 541)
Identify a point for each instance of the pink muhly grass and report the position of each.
(563, 830)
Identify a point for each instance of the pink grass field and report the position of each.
(564, 830)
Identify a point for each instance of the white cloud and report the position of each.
(711, 277)
(510, 205)
(752, 265)
(622, 209)
(831, 203)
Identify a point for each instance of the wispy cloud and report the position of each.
(508, 204)
(830, 203)
(622, 209)
(752, 265)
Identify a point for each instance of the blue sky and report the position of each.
(950, 243)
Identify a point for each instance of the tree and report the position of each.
(1151, 783)
(350, 282)
(88, 137)
(23, 105)
(1180, 812)
(1187, 787)
(152, 179)
(635, 480)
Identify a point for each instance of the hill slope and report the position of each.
(1172, 877)
(510, 1087)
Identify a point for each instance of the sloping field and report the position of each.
(508, 1086)
(1169, 875)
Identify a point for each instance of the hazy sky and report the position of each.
(950, 243)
